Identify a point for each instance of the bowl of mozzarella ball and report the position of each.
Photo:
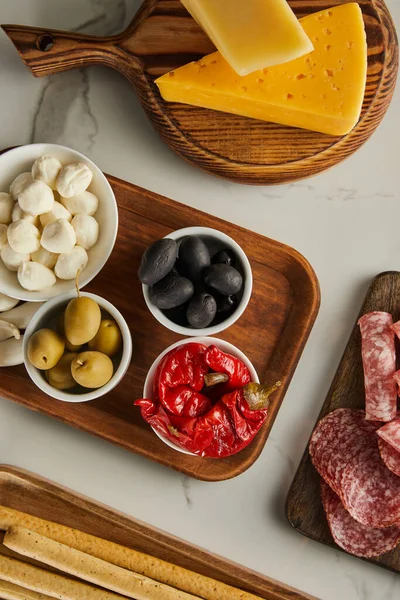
(58, 218)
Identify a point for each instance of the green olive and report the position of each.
(45, 348)
(108, 339)
(82, 320)
(60, 376)
(92, 369)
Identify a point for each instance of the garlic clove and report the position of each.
(18, 214)
(44, 257)
(36, 198)
(68, 264)
(7, 303)
(21, 315)
(23, 237)
(74, 179)
(6, 207)
(57, 212)
(86, 230)
(46, 168)
(8, 330)
(11, 353)
(35, 277)
(12, 259)
(3, 235)
(86, 203)
(58, 236)
(19, 183)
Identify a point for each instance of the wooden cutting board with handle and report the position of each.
(163, 36)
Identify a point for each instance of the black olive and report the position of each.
(157, 261)
(201, 310)
(194, 257)
(177, 315)
(171, 291)
(223, 279)
(226, 257)
(226, 305)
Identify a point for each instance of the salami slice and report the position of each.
(350, 535)
(391, 433)
(396, 328)
(370, 491)
(379, 361)
(390, 457)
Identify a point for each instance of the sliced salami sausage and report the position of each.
(390, 457)
(396, 328)
(379, 361)
(391, 433)
(350, 535)
(370, 491)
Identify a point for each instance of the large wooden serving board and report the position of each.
(272, 332)
(163, 36)
(23, 491)
(304, 508)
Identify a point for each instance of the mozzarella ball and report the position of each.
(36, 198)
(69, 263)
(3, 235)
(23, 237)
(19, 183)
(45, 258)
(6, 207)
(46, 169)
(34, 277)
(73, 179)
(12, 259)
(58, 236)
(57, 212)
(86, 203)
(18, 214)
(86, 230)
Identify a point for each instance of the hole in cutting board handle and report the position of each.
(45, 42)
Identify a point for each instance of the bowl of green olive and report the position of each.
(77, 347)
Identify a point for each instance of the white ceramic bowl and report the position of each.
(45, 317)
(21, 159)
(207, 341)
(220, 241)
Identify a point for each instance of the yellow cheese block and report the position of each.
(251, 34)
(322, 91)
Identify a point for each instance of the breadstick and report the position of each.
(49, 584)
(9, 591)
(152, 567)
(89, 568)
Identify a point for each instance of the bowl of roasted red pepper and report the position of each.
(203, 397)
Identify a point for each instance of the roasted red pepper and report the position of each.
(215, 426)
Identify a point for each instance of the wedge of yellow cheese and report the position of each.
(322, 91)
(251, 34)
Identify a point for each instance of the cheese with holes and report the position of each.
(322, 91)
(251, 34)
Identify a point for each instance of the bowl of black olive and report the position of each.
(196, 281)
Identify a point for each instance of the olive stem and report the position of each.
(211, 379)
(257, 395)
(77, 282)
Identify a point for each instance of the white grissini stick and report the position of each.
(10, 591)
(57, 212)
(69, 263)
(18, 214)
(7, 303)
(6, 207)
(23, 237)
(86, 230)
(36, 198)
(21, 315)
(19, 183)
(34, 277)
(44, 257)
(8, 330)
(74, 179)
(89, 568)
(86, 203)
(11, 353)
(12, 259)
(50, 584)
(3, 235)
(58, 236)
(46, 168)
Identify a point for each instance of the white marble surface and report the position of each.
(344, 221)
